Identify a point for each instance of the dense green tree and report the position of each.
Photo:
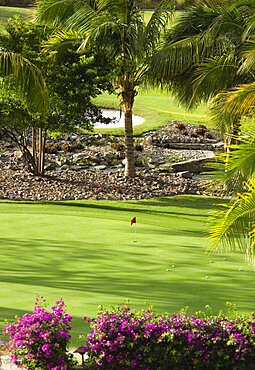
(117, 28)
(72, 82)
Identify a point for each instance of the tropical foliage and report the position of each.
(117, 28)
(233, 227)
(71, 85)
(28, 78)
(209, 56)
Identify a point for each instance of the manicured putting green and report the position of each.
(85, 252)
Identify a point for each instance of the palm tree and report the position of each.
(29, 81)
(118, 28)
(202, 57)
(209, 56)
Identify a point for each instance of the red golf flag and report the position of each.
(133, 221)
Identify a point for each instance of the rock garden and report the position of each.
(85, 166)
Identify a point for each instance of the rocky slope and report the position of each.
(91, 166)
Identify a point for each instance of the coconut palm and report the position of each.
(118, 28)
(210, 56)
(203, 56)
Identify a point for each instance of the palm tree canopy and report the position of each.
(117, 26)
(28, 79)
(202, 54)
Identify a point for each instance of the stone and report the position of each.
(88, 173)
(100, 167)
(192, 165)
(185, 174)
(78, 156)
(17, 154)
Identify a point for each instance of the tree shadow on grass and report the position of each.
(186, 201)
(91, 274)
(190, 203)
(117, 274)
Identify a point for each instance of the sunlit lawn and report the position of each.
(157, 108)
(7, 12)
(85, 252)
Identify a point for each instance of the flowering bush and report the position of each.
(125, 339)
(39, 340)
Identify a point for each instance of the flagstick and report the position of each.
(135, 241)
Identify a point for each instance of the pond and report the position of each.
(118, 119)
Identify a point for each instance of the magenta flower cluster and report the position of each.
(124, 339)
(39, 340)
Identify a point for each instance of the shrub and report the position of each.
(39, 340)
(125, 339)
(201, 130)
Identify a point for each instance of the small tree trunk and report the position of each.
(43, 150)
(36, 159)
(34, 144)
(40, 150)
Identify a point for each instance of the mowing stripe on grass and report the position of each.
(84, 252)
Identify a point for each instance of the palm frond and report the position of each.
(58, 43)
(235, 166)
(248, 53)
(56, 12)
(232, 228)
(29, 79)
(210, 77)
(157, 23)
(228, 107)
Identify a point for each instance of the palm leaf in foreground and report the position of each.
(236, 166)
(29, 79)
(234, 228)
(229, 106)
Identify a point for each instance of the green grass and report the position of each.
(85, 252)
(7, 12)
(157, 108)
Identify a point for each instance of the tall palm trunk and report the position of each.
(127, 96)
(129, 144)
